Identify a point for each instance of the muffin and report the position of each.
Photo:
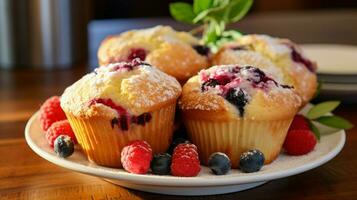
(178, 54)
(118, 103)
(267, 52)
(233, 109)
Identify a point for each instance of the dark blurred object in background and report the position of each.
(42, 33)
(105, 9)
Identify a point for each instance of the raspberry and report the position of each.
(299, 142)
(136, 157)
(137, 53)
(185, 161)
(51, 112)
(299, 123)
(60, 128)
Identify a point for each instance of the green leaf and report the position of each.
(315, 130)
(232, 34)
(210, 34)
(335, 122)
(217, 6)
(182, 12)
(322, 109)
(201, 5)
(239, 9)
(226, 36)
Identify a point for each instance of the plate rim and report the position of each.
(346, 47)
(172, 181)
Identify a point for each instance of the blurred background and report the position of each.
(57, 36)
(46, 34)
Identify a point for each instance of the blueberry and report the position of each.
(251, 161)
(161, 163)
(238, 98)
(63, 146)
(219, 163)
(176, 142)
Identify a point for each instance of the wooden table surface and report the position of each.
(24, 175)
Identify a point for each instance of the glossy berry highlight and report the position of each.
(251, 161)
(219, 163)
(63, 146)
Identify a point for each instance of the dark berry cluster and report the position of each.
(228, 83)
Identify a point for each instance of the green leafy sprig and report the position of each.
(213, 15)
(320, 113)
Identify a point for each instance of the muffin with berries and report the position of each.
(178, 54)
(232, 109)
(119, 103)
(280, 56)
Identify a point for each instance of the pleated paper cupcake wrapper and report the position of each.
(102, 143)
(236, 136)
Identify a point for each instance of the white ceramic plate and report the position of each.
(205, 183)
(334, 59)
(337, 69)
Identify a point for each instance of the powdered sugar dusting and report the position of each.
(155, 86)
(248, 78)
(136, 86)
(272, 47)
(226, 87)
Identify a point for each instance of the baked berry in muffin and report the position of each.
(118, 103)
(232, 109)
(178, 54)
(281, 57)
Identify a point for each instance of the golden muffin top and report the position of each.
(283, 58)
(135, 86)
(278, 50)
(232, 91)
(178, 54)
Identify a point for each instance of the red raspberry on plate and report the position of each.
(51, 112)
(185, 161)
(299, 123)
(299, 142)
(136, 157)
(60, 128)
